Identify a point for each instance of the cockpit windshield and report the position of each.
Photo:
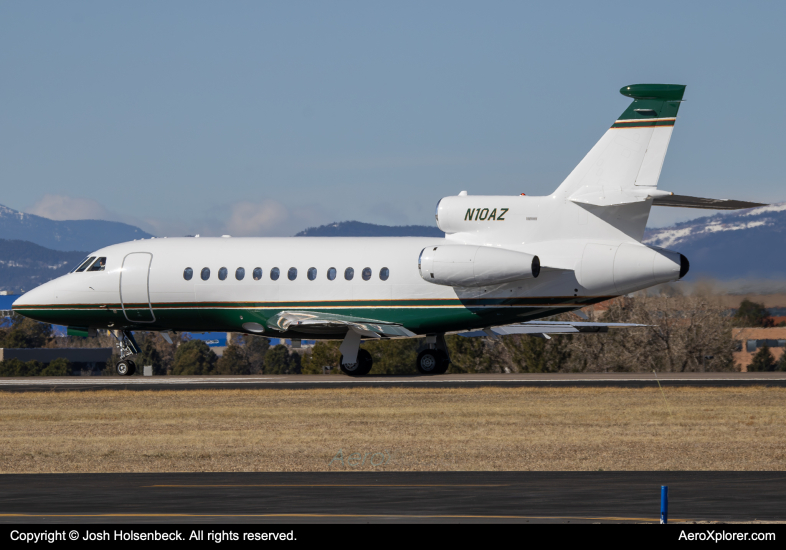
(84, 265)
(98, 265)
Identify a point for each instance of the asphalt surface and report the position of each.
(622, 380)
(385, 497)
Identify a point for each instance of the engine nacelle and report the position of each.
(470, 265)
(627, 266)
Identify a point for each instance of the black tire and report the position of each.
(443, 362)
(429, 361)
(124, 368)
(133, 368)
(361, 367)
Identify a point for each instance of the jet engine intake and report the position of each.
(470, 265)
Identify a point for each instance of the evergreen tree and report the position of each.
(233, 361)
(194, 357)
(149, 355)
(26, 333)
(254, 348)
(278, 360)
(323, 354)
(781, 365)
(763, 361)
(58, 367)
(752, 314)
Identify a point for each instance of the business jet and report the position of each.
(505, 264)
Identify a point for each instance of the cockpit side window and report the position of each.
(98, 265)
(86, 263)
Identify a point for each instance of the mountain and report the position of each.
(25, 265)
(744, 244)
(359, 229)
(65, 235)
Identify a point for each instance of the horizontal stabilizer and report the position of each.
(542, 328)
(682, 201)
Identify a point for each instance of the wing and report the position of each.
(542, 329)
(318, 322)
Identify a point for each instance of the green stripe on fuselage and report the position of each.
(420, 316)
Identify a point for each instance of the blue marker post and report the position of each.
(664, 504)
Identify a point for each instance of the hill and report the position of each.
(65, 235)
(745, 244)
(25, 265)
(360, 229)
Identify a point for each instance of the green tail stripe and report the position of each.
(652, 101)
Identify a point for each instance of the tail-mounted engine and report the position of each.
(470, 265)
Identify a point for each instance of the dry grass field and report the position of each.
(415, 429)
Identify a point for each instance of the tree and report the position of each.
(233, 361)
(254, 349)
(752, 314)
(763, 361)
(149, 355)
(15, 367)
(278, 360)
(194, 357)
(323, 354)
(26, 333)
(59, 367)
(781, 365)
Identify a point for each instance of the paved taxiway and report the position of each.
(361, 497)
(623, 380)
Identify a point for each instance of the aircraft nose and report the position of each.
(30, 302)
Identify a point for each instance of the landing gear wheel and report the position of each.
(432, 361)
(125, 368)
(361, 367)
(443, 362)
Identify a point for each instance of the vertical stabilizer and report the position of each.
(621, 171)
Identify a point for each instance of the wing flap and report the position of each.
(309, 320)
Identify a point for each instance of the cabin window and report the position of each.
(188, 273)
(205, 273)
(222, 273)
(292, 273)
(98, 265)
(86, 263)
(349, 273)
(240, 273)
(331, 273)
(366, 273)
(384, 273)
(257, 273)
(274, 273)
(312, 273)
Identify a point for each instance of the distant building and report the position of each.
(749, 340)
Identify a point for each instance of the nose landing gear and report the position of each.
(127, 346)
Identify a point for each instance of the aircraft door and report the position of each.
(134, 287)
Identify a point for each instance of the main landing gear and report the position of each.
(433, 359)
(127, 346)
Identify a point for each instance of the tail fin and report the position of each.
(623, 168)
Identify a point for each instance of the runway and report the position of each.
(385, 497)
(180, 383)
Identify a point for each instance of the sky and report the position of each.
(264, 118)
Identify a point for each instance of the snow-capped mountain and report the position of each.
(65, 235)
(741, 244)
